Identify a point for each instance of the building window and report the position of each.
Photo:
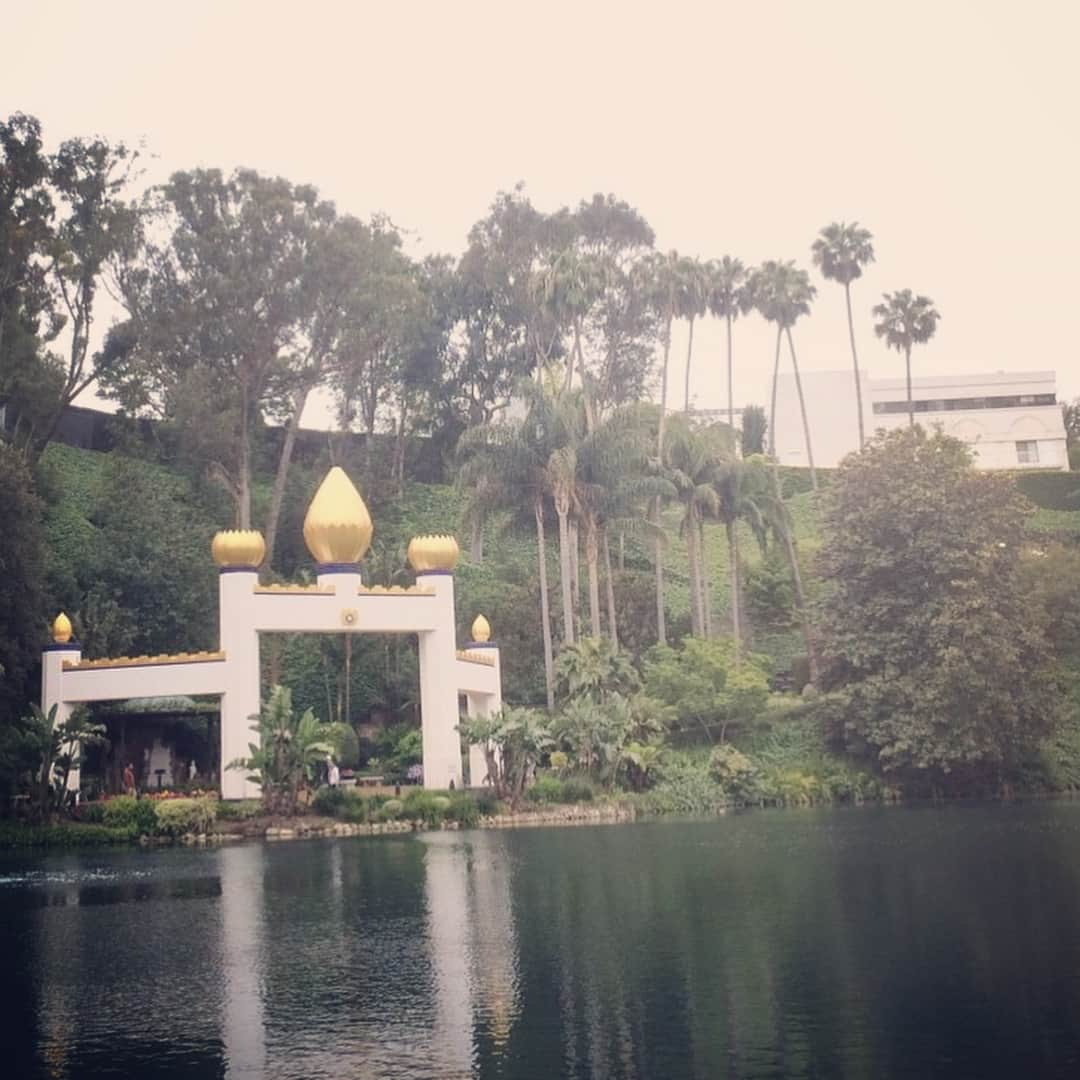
(1002, 401)
(1027, 452)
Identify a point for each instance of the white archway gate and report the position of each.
(338, 531)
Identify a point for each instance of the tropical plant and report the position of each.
(514, 741)
(782, 293)
(693, 303)
(841, 251)
(594, 668)
(754, 427)
(905, 320)
(289, 749)
(729, 297)
(732, 770)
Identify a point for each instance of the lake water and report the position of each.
(873, 942)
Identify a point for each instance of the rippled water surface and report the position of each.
(912, 942)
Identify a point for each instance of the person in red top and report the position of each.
(129, 780)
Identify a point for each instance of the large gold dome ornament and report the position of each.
(427, 553)
(238, 549)
(61, 629)
(481, 630)
(337, 528)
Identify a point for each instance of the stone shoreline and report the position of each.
(579, 814)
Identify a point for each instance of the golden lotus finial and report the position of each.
(337, 528)
(427, 553)
(238, 548)
(61, 629)
(481, 629)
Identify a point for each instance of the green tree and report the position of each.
(782, 293)
(707, 686)
(594, 668)
(287, 752)
(729, 297)
(693, 303)
(22, 622)
(841, 251)
(753, 431)
(905, 320)
(937, 664)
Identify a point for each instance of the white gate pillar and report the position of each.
(64, 649)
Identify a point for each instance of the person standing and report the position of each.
(129, 780)
(333, 774)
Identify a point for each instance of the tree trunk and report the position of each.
(663, 390)
(476, 539)
(622, 552)
(661, 628)
(730, 380)
(575, 563)
(592, 560)
(802, 410)
(772, 406)
(564, 572)
(570, 362)
(696, 614)
(855, 361)
(796, 578)
(910, 403)
(243, 479)
(689, 355)
(281, 478)
(733, 557)
(399, 453)
(706, 587)
(609, 582)
(545, 606)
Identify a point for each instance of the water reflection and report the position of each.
(886, 943)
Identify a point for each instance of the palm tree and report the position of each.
(841, 251)
(514, 462)
(905, 320)
(661, 279)
(729, 297)
(782, 292)
(692, 303)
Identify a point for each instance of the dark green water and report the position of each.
(911, 942)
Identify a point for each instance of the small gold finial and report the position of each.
(61, 629)
(481, 629)
(337, 528)
(433, 553)
(238, 548)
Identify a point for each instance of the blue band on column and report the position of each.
(337, 568)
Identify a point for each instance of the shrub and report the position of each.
(13, 835)
(577, 789)
(685, 787)
(464, 809)
(330, 801)
(92, 813)
(177, 817)
(128, 812)
(239, 810)
(545, 789)
(390, 810)
(487, 802)
(733, 771)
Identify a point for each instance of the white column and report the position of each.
(483, 705)
(52, 688)
(438, 687)
(240, 701)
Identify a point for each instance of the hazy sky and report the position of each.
(948, 128)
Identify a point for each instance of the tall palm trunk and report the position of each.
(772, 405)
(661, 627)
(243, 480)
(562, 509)
(697, 618)
(592, 561)
(910, 403)
(802, 410)
(730, 378)
(545, 605)
(706, 586)
(733, 558)
(855, 362)
(609, 584)
(689, 355)
(797, 581)
(575, 562)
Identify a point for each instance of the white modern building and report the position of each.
(1010, 420)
